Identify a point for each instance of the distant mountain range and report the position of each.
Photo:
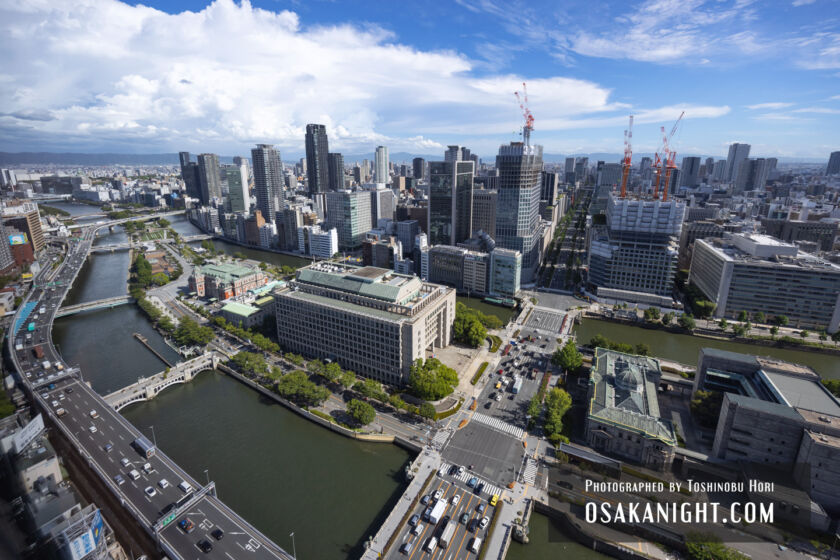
(8, 159)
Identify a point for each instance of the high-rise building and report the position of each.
(637, 249)
(268, 179)
(752, 175)
(518, 225)
(313, 241)
(350, 213)
(336, 172)
(752, 273)
(407, 231)
(710, 165)
(646, 169)
(450, 201)
(7, 261)
(189, 173)
(833, 164)
(719, 171)
(210, 183)
(236, 176)
(317, 158)
(548, 190)
(690, 172)
(8, 180)
(25, 218)
(382, 175)
(582, 169)
(569, 176)
(418, 166)
(383, 205)
(737, 154)
(484, 211)
(610, 174)
(505, 272)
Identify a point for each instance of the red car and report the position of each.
(501, 371)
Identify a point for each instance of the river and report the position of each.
(685, 349)
(283, 473)
(546, 540)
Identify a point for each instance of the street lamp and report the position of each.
(154, 440)
(207, 474)
(294, 550)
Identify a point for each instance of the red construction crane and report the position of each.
(657, 162)
(526, 113)
(628, 156)
(671, 156)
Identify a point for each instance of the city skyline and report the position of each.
(762, 75)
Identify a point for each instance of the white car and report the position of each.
(125, 462)
(455, 499)
(150, 491)
(92, 429)
(438, 494)
(460, 470)
(94, 414)
(484, 521)
(163, 483)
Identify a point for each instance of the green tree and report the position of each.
(315, 367)
(739, 330)
(823, 336)
(832, 385)
(534, 406)
(774, 330)
(163, 222)
(723, 324)
(160, 279)
(361, 412)
(332, 372)
(704, 308)
(166, 324)
(758, 317)
(190, 333)
(782, 320)
(668, 318)
(347, 378)
(250, 361)
(743, 316)
(371, 388)
(297, 386)
(427, 411)
(652, 314)
(567, 357)
(804, 334)
(557, 403)
(431, 380)
(396, 402)
(835, 337)
(687, 322)
(641, 349)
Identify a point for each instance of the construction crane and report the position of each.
(628, 156)
(526, 113)
(671, 156)
(657, 162)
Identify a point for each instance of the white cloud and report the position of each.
(797, 3)
(820, 110)
(775, 105)
(112, 75)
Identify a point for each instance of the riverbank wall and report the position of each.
(372, 438)
(556, 510)
(708, 334)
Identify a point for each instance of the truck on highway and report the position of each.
(517, 385)
(437, 511)
(144, 447)
(43, 310)
(448, 531)
(46, 364)
(38, 351)
(30, 327)
(475, 545)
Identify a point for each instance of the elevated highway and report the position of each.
(99, 437)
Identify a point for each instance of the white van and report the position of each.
(134, 474)
(185, 487)
(475, 544)
(431, 544)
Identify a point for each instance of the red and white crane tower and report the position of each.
(526, 113)
(670, 156)
(628, 156)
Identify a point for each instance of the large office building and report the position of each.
(505, 272)
(26, 218)
(189, 174)
(268, 180)
(623, 417)
(336, 172)
(317, 159)
(224, 281)
(791, 231)
(752, 273)
(518, 224)
(407, 231)
(484, 204)
(450, 201)
(610, 174)
(315, 242)
(737, 154)
(239, 197)
(775, 414)
(637, 249)
(350, 213)
(210, 182)
(418, 167)
(370, 320)
(381, 165)
(690, 168)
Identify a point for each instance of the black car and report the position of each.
(204, 545)
(217, 534)
(488, 404)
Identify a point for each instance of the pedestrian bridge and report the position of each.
(106, 303)
(148, 388)
(111, 247)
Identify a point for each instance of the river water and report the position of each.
(283, 473)
(546, 540)
(685, 349)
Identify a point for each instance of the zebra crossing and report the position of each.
(500, 425)
(529, 473)
(489, 489)
(440, 438)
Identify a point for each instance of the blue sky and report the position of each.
(102, 75)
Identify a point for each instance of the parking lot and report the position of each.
(460, 530)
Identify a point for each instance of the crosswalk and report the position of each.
(529, 473)
(489, 489)
(500, 425)
(439, 440)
